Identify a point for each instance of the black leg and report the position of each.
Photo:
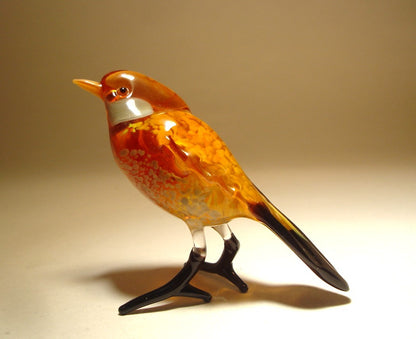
(224, 266)
(178, 286)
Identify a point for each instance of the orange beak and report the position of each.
(91, 86)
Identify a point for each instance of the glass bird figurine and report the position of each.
(180, 163)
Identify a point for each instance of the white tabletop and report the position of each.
(77, 246)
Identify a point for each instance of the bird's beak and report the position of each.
(91, 86)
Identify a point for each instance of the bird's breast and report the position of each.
(152, 167)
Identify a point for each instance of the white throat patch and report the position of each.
(128, 109)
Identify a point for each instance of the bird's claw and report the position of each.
(163, 293)
(226, 271)
(178, 286)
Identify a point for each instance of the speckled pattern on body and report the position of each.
(180, 163)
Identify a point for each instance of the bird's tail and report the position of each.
(279, 224)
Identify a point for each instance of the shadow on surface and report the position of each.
(139, 281)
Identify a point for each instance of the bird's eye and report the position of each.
(122, 91)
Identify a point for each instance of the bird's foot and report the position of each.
(224, 266)
(163, 293)
(178, 286)
(226, 271)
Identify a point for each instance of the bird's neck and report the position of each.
(127, 110)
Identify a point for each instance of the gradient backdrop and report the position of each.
(316, 99)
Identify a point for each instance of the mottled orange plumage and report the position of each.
(181, 164)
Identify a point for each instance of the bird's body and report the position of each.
(181, 164)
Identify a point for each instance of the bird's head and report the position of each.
(130, 95)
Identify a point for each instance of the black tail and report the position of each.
(299, 243)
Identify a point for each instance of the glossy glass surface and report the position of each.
(181, 164)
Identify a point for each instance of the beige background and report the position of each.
(307, 81)
(316, 99)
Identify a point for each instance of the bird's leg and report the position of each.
(224, 266)
(179, 285)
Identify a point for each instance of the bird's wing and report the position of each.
(200, 149)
